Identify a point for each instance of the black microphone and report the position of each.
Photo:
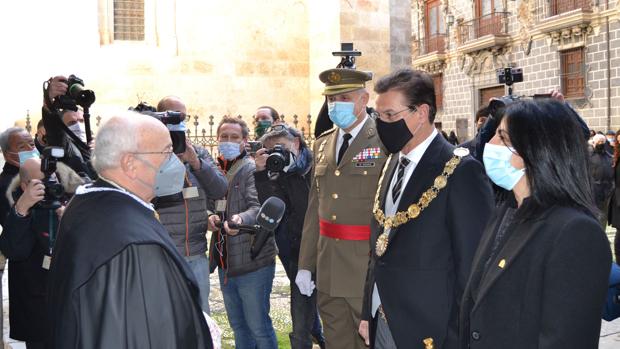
(268, 218)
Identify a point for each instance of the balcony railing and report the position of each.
(433, 43)
(491, 24)
(557, 7)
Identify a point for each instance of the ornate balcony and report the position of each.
(483, 32)
(430, 54)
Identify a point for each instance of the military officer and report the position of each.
(429, 213)
(334, 245)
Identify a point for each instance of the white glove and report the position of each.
(304, 282)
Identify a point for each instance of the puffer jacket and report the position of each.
(186, 219)
(242, 199)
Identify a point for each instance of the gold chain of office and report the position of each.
(414, 210)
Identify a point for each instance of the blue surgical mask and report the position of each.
(25, 155)
(170, 176)
(229, 150)
(497, 164)
(342, 113)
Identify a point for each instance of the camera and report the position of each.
(53, 190)
(506, 76)
(174, 121)
(76, 95)
(279, 157)
(254, 146)
(348, 55)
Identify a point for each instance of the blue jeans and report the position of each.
(199, 264)
(246, 298)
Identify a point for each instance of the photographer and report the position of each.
(58, 134)
(185, 214)
(25, 241)
(284, 146)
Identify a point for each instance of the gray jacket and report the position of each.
(188, 225)
(242, 199)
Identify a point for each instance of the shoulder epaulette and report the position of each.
(327, 132)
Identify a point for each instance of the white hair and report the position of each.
(4, 137)
(598, 138)
(117, 137)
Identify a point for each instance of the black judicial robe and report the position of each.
(117, 281)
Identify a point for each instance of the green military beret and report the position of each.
(339, 81)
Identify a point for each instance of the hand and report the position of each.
(57, 87)
(555, 94)
(60, 211)
(261, 159)
(190, 156)
(214, 221)
(34, 192)
(234, 219)
(304, 282)
(363, 332)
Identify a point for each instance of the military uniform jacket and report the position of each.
(423, 273)
(341, 195)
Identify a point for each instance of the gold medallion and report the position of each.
(382, 243)
(414, 211)
(441, 182)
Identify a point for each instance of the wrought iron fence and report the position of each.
(492, 24)
(557, 7)
(203, 132)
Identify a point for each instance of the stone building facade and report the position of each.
(570, 45)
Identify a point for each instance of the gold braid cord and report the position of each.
(414, 210)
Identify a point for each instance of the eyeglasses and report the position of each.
(276, 128)
(390, 116)
(168, 153)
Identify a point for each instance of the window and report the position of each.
(572, 75)
(438, 83)
(435, 27)
(489, 17)
(129, 20)
(487, 93)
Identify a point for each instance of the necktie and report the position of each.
(402, 164)
(344, 146)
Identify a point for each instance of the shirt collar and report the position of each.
(355, 130)
(415, 155)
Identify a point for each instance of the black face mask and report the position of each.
(599, 148)
(394, 135)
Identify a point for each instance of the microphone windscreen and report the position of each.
(271, 213)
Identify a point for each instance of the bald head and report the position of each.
(172, 103)
(126, 133)
(30, 169)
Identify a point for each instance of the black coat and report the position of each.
(543, 288)
(117, 280)
(9, 172)
(293, 189)
(25, 242)
(602, 174)
(423, 272)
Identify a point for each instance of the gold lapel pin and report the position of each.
(428, 343)
(502, 263)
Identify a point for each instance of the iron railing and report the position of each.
(432, 43)
(492, 24)
(557, 7)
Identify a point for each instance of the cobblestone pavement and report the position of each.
(610, 331)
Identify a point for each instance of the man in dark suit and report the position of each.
(431, 207)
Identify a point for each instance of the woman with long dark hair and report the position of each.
(539, 276)
(614, 206)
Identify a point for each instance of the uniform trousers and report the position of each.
(341, 320)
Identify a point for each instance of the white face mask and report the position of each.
(79, 131)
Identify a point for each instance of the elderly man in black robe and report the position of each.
(116, 278)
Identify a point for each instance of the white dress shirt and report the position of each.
(391, 207)
(354, 132)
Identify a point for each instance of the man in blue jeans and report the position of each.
(185, 214)
(246, 282)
